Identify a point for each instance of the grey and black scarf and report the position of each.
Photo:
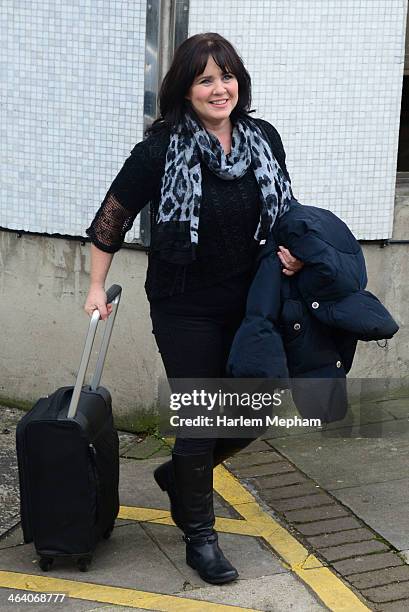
(177, 229)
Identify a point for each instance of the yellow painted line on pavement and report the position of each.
(162, 517)
(153, 515)
(112, 595)
(255, 522)
(228, 525)
(327, 586)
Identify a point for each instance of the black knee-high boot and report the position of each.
(194, 484)
(165, 475)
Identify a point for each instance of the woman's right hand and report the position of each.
(97, 300)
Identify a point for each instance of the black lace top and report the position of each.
(229, 214)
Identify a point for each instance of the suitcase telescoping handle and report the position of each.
(113, 296)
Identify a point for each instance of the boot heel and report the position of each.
(164, 478)
(160, 477)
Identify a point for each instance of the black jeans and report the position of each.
(194, 334)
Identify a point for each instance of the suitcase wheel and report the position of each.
(107, 534)
(83, 563)
(45, 563)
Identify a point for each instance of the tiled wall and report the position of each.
(328, 75)
(71, 109)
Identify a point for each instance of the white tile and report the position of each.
(66, 84)
(328, 75)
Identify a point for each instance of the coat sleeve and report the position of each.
(257, 350)
(135, 185)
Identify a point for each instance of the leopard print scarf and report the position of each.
(177, 221)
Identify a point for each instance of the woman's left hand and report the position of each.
(291, 264)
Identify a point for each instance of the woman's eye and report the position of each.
(226, 77)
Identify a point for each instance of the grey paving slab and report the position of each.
(335, 525)
(275, 432)
(368, 412)
(398, 408)
(367, 563)
(394, 606)
(77, 605)
(358, 414)
(277, 593)
(388, 593)
(258, 445)
(137, 487)
(339, 462)
(14, 537)
(151, 558)
(269, 469)
(126, 440)
(243, 460)
(130, 558)
(144, 449)
(338, 538)
(249, 555)
(293, 491)
(367, 580)
(384, 506)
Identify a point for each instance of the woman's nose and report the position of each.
(219, 87)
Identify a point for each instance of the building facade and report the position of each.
(82, 82)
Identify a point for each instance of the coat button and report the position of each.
(297, 326)
(315, 305)
(339, 364)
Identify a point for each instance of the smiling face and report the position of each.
(213, 95)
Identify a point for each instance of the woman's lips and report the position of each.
(218, 105)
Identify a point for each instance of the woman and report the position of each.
(216, 180)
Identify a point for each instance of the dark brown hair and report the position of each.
(189, 61)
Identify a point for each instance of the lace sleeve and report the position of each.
(135, 185)
(110, 224)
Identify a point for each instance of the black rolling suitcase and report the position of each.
(68, 459)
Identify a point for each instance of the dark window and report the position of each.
(403, 150)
